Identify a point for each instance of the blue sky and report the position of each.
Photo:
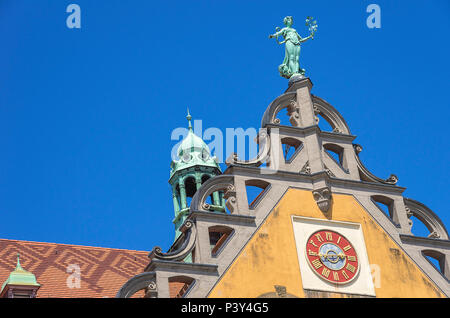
(86, 114)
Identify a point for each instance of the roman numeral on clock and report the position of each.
(346, 248)
(335, 276)
(312, 253)
(350, 267)
(344, 274)
(326, 272)
(319, 238)
(316, 263)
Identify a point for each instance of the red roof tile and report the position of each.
(102, 270)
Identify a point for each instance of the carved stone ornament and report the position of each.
(323, 198)
(316, 110)
(409, 214)
(232, 159)
(151, 290)
(328, 171)
(230, 196)
(262, 135)
(306, 168)
(392, 179)
(189, 236)
(434, 234)
(293, 112)
(281, 291)
(263, 140)
(358, 148)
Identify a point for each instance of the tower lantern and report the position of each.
(20, 284)
(194, 166)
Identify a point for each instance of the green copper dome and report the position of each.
(193, 151)
(19, 276)
(192, 143)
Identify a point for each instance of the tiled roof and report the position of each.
(102, 270)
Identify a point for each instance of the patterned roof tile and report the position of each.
(102, 270)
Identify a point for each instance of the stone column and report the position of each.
(198, 181)
(176, 206)
(182, 195)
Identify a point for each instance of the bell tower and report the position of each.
(194, 166)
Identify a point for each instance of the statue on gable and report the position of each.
(292, 40)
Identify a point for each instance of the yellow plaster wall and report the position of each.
(270, 257)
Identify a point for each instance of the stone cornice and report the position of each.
(193, 168)
(297, 130)
(286, 175)
(315, 128)
(202, 269)
(337, 136)
(222, 217)
(365, 185)
(425, 241)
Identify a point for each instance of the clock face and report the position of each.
(332, 257)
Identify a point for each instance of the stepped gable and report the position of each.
(324, 169)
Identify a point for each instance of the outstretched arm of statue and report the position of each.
(306, 39)
(277, 34)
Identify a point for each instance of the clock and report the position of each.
(332, 256)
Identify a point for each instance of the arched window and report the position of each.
(191, 188)
(386, 205)
(336, 152)
(323, 123)
(189, 184)
(179, 286)
(437, 259)
(205, 178)
(218, 236)
(291, 147)
(177, 195)
(255, 191)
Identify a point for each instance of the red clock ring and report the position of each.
(332, 256)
